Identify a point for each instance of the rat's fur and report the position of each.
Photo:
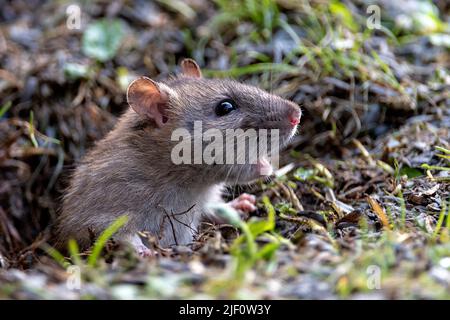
(130, 171)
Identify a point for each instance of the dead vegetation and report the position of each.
(365, 190)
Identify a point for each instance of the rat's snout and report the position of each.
(294, 113)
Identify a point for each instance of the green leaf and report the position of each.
(258, 227)
(339, 9)
(285, 208)
(410, 172)
(303, 174)
(268, 250)
(102, 39)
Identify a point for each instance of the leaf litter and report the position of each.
(366, 182)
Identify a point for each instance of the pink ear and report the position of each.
(147, 100)
(190, 68)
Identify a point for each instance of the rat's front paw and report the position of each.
(145, 252)
(245, 203)
(141, 249)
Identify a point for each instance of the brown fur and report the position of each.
(130, 171)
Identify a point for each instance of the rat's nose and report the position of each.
(294, 120)
(294, 114)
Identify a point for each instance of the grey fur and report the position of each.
(130, 170)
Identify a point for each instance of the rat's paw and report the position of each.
(141, 249)
(145, 252)
(245, 202)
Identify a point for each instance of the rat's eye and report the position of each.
(225, 107)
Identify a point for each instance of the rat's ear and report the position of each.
(190, 68)
(148, 99)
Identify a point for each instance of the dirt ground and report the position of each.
(361, 204)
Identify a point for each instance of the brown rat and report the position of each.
(131, 171)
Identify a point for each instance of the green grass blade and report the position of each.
(103, 238)
(252, 69)
(56, 255)
(442, 149)
(74, 252)
(428, 167)
(270, 212)
(5, 108)
(440, 221)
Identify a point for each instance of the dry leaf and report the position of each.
(379, 211)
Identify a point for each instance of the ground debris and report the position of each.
(362, 191)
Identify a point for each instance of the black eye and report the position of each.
(225, 107)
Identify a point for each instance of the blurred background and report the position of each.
(359, 69)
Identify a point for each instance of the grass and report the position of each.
(256, 68)
(286, 245)
(264, 15)
(372, 267)
(103, 238)
(245, 249)
(373, 264)
(440, 221)
(4, 109)
(93, 257)
(445, 154)
(333, 45)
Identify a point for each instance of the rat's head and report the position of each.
(245, 116)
